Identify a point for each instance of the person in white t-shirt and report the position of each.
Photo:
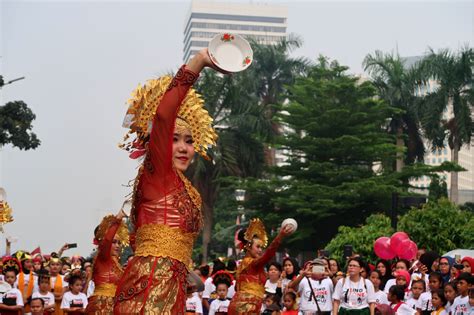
(74, 301)
(450, 292)
(380, 296)
(44, 291)
(401, 265)
(418, 287)
(274, 272)
(396, 294)
(439, 302)
(426, 307)
(354, 294)
(37, 306)
(193, 302)
(314, 287)
(11, 302)
(461, 304)
(209, 292)
(222, 280)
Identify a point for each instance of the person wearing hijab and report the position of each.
(445, 265)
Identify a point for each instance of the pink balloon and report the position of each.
(407, 250)
(382, 248)
(397, 239)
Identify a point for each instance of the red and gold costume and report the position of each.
(106, 268)
(251, 276)
(166, 211)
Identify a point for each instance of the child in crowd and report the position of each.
(44, 291)
(425, 299)
(401, 264)
(37, 306)
(396, 294)
(222, 281)
(380, 296)
(439, 301)
(450, 293)
(402, 278)
(289, 302)
(11, 302)
(193, 302)
(74, 301)
(461, 304)
(417, 288)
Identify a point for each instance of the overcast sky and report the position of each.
(82, 59)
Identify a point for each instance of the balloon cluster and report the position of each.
(398, 245)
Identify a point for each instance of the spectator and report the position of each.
(439, 301)
(222, 280)
(450, 292)
(380, 296)
(274, 272)
(418, 287)
(354, 294)
(445, 265)
(37, 306)
(401, 264)
(385, 270)
(425, 298)
(291, 270)
(11, 302)
(74, 301)
(289, 303)
(461, 304)
(468, 263)
(396, 294)
(44, 292)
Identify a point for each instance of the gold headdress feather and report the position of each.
(256, 229)
(191, 115)
(122, 232)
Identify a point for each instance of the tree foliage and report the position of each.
(16, 124)
(440, 226)
(362, 237)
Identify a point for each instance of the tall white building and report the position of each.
(265, 23)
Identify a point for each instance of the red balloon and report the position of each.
(382, 248)
(407, 250)
(397, 239)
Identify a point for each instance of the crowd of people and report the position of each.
(168, 125)
(430, 284)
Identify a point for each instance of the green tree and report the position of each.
(437, 189)
(362, 237)
(454, 79)
(396, 84)
(16, 124)
(335, 142)
(440, 226)
(240, 105)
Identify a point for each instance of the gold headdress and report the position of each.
(256, 229)
(122, 232)
(5, 214)
(191, 115)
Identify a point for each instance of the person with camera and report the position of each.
(314, 287)
(353, 294)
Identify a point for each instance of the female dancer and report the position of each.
(107, 271)
(166, 209)
(250, 274)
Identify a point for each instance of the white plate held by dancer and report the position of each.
(291, 222)
(230, 52)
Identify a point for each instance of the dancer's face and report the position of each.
(257, 248)
(115, 246)
(183, 149)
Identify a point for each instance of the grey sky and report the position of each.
(82, 59)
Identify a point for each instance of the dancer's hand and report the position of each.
(286, 230)
(201, 60)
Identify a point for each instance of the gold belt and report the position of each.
(160, 240)
(252, 288)
(105, 289)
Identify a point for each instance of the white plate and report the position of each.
(230, 52)
(291, 222)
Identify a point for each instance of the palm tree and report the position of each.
(453, 74)
(397, 84)
(243, 106)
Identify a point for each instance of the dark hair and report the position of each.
(241, 236)
(466, 276)
(406, 262)
(453, 284)
(291, 294)
(440, 293)
(231, 265)
(337, 263)
(388, 272)
(222, 278)
(377, 272)
(204, 270)
(218, 266)
(73, 280)
(423, 283)
(274, 264)
(398, 291)
(296, 267)
(428, 259)
(367, 269)
(37, 299)
(358, 260)
(436, 276)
